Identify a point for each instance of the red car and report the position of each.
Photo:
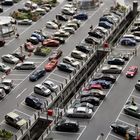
(29, 47)
(51, 65)
(132, 71)
(93, 86)
(55, 54)
(50, 43)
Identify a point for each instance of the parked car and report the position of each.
(102, 29)
(116, 61)
(1, 9)
(77, 103)
(37, 74)
(7, 2)
(61, 17)
(132, 71)
(105, 24)
(93, 93)
(135, 28)
(105, 84)
(93, 86)
(8, 82)
(51, 85)
(34, 102)
(107, 19)
(60, 39)
(92, 100)
(108, 77)
(66, 125)
(4, 68)
(81, 16)
(111, 69)
(92, 40)
(15, 120)
(137, 85)
(70, 30)
(78, 55)
(71, 6)
(136, 33)
(131, 36)
(29, 47)
(8, 58)
(65, 67)
(97, 34)
(51, 25)
(25, 66)
(68, 11)
(42, 90)
(79, 112)
(6, 88)
(33, 40)
(71, 61)
(72, 24)
(84, 48)
(50, 43)
(51, 65)
(132, 110)
(24, 22)
(55, 54)
(128, 42)
(61, 33)
(39, 37)
(2, 93)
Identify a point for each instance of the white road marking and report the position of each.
(136, 96)
(3, 122)
(21, 93)
(81, 133)
(60, 76)
(23, 113)
(18, 74)
(98, 137)
(53, 80)
(127, 123)
(59, 132)
(116, 137)
(16, 79)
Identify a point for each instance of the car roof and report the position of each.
(12, 115)
(133, 107)
(28, 62)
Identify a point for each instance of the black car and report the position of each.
(96, 34)
(61, 17)
(92, 100)
(90, 40)
(5, 87)
(116, 61)
(107, 77)
(1, 9)
(65, 67)
(135, 28)
(37, 75)
(66, 125)
(34, 102)
(33, 40)
(137, 85)
(84, 48)
(18, 55)
(7, 2)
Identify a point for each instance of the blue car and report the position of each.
(105, 24)
(105, 19)
(81, 16)
(38, 36)
(128, 42)
(37, 75)
(105, 84)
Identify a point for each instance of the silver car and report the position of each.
(10, 59)
(78, 55)
(42, 90)
(111, 69)
(2, 93)
(50, 85)
(79, 112)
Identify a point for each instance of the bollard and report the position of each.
(38, 113)
(27, 125)
(60, 87)
(21, 131)
(66, 81)
(51, 97)
(69, 76)
(29, 122)
(15, 137)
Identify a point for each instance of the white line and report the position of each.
(60, 76)
(16, 79)
(129, 116)
(22, 113)
(117, 137)
(54, 80)
(59, 132)
(23, 103)
(81, 133)
(136, 96)
(18, 74)
(21, 92)
(98, 137)
(3, 122)
(127, 123)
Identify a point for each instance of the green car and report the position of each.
(132, 110)
(42, 51)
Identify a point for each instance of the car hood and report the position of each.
(21, 122)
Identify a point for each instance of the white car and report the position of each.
(71, 30)
(78, 55)
(62, 33)
(10, 59)
(51, 25)
(79, 112)
(71, 61)
(137, 38)
(68, 11)
(24, 22)
(71, 6)
(50, 85)
(102, 29)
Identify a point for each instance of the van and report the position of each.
(2, 93)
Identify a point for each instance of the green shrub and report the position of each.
(5, 134)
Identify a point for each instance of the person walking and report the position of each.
(133, 101)
(17, 35)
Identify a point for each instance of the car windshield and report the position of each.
(17, 119)
(43, 88)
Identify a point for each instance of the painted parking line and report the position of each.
(59, 132)
(81, 133)
(54, 80)
(16, 110)
(59, 76)
(135, 96)
(130, 117)
(21, 93)
(20, 74)
(118, 138)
